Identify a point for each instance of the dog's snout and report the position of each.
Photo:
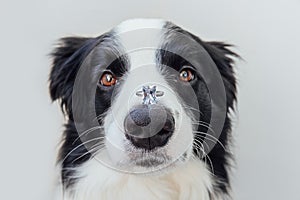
(149, 126)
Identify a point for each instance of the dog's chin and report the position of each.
(156, 161)
(150, 159)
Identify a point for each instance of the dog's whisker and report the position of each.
(80, 145)
(192, 108)
(204, 124)
(199, 148)
(212, 138)
(91, 150)
(206, 156)
(87, 132)
(100, 116)
(210, 161)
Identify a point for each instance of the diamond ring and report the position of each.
(149, 94)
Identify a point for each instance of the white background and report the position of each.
(266, 35)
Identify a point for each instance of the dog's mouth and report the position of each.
(156, 162)
(149, 159)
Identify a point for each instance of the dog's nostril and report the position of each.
(140, 116)
(170, 124)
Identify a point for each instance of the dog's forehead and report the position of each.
(140, 39)
(135, 24)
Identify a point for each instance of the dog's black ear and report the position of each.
(67, 58)
(224, 59)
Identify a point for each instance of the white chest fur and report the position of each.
(191, 181)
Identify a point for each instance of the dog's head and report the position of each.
(144, 96)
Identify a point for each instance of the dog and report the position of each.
(148, 114)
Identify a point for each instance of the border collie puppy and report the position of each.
(147, 109)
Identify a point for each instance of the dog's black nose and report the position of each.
(149, 126)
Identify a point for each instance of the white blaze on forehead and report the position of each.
(139, 40)
(134, 24)
(138, 36)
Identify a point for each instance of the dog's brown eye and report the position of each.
(186, 75)
(108, 79)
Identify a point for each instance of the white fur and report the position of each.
(191, 181)
(134, 24)
(143, 71)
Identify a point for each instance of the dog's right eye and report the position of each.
(186, 75)
(108, 79)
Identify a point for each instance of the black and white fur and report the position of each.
(191, 178)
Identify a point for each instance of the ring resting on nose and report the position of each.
(149, 94)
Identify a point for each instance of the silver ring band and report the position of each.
(157, 93)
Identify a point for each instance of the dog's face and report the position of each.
(143, 97)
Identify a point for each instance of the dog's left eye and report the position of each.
(186, 75)
(108, 79)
